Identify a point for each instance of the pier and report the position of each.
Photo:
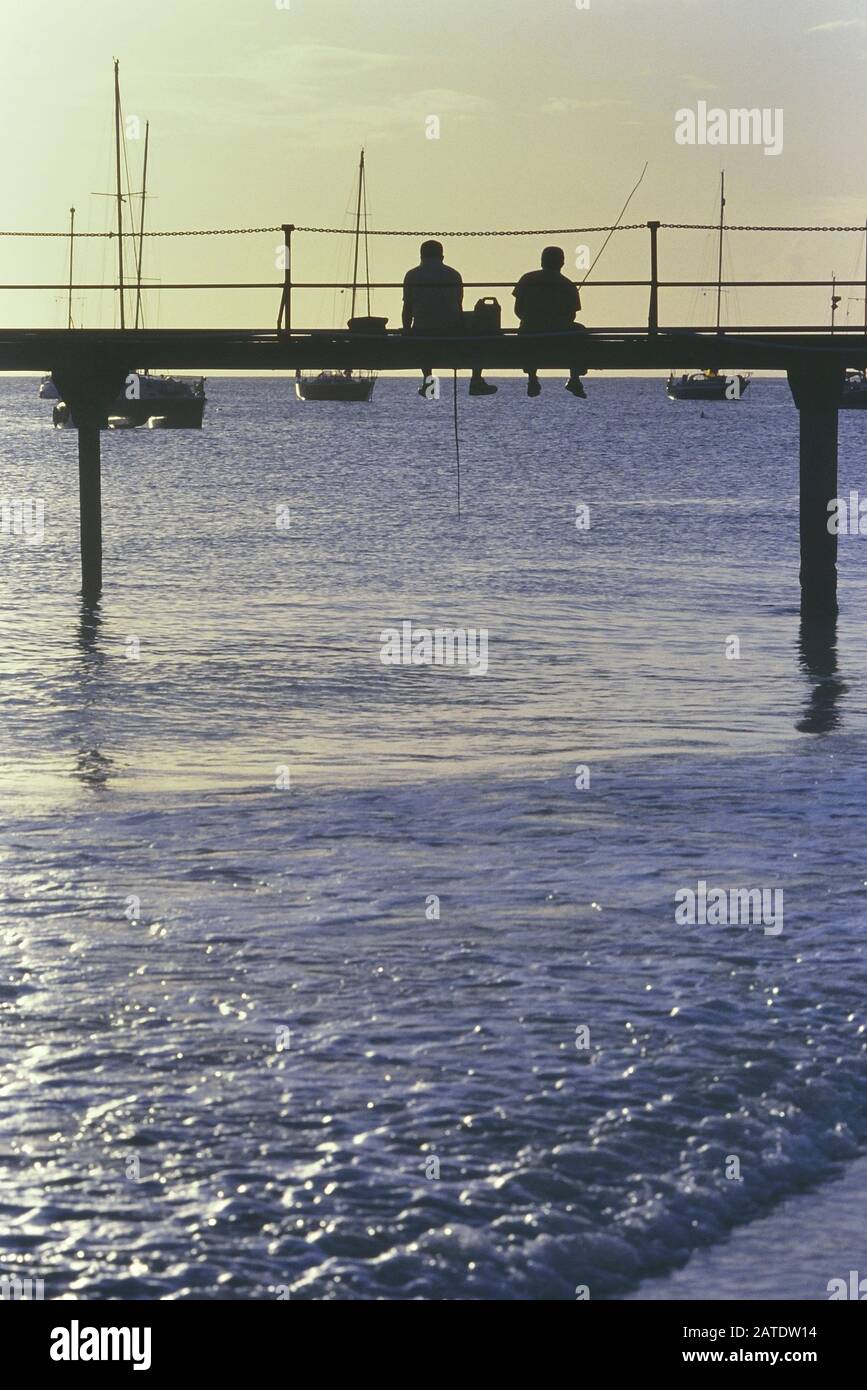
(90, 366)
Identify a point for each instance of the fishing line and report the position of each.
(456, 437)
(620, 218)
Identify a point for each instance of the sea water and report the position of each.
(324, 977)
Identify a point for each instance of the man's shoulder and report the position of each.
(436, 270)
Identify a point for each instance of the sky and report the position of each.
(547, 114)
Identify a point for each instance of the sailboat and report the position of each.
(854, 390)
(709, 385)
(348, 385)
(158, 401)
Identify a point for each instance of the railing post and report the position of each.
(653, 313)
(284, 318)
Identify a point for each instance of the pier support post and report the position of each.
(89, 391)
(816, 387)
(90, 508)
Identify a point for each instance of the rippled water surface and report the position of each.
(168, 911)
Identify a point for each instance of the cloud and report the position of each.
(837, 24)
(309, 63)
(555, 106)
(441, 101)
(700, 84)
(321, 105)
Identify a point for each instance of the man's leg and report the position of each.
(576, 371)
(533, 386)
(478, 385)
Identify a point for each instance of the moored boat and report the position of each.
(348, 385)
(854, 395)
(710, 385)
(707, 386)
(179, 402)
(335, 386)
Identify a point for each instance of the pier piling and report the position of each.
(89, 390)
(816, 387)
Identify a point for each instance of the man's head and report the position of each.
(432, 251)
(553, 258)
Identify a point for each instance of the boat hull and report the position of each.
(178, 412)
(705, 388)
(333, 387)
(854, 395)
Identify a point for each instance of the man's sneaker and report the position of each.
(534, 388)
(576, 386)
(482, 388)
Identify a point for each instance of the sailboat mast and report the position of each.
(865, 277)
(722, 204)
(366, 249)
(144, 189)
(357, 233)
(119, 193)
(69, 323)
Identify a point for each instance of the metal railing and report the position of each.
(289, 286)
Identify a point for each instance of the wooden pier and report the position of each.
(90, 366)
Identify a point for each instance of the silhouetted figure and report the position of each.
(433, 299)
(545, 302)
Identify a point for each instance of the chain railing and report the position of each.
(654, 285)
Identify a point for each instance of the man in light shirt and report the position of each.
(433, 298)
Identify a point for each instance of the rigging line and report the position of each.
(616, 224)
(357, 234)
(457, 438)
(139, 308)
(137, 246)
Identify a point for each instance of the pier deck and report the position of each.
(250, 349)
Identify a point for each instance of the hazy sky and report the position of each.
(547, 114)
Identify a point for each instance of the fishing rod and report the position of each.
(616, 224)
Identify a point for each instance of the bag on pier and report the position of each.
(367, 325)
(484, 317)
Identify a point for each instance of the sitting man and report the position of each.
(433, 297)
(545, 302)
